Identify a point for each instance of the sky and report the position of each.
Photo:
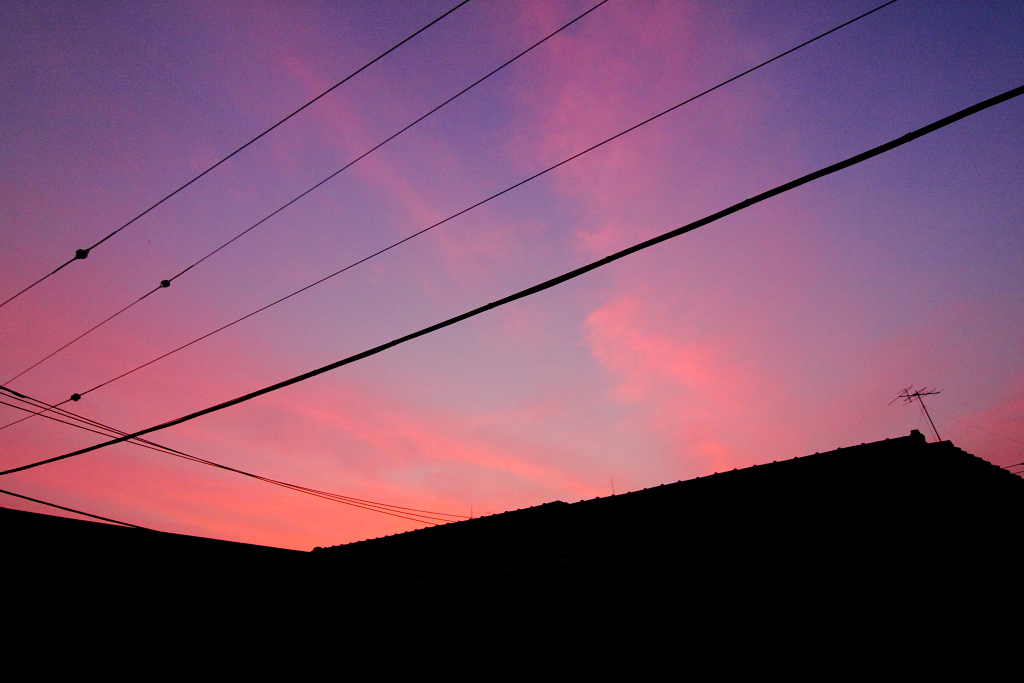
(783, 330)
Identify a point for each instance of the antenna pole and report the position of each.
(908, 396)
(928, 415)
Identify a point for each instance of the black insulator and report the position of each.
(165, 283)
(75, 397)
(81, 253)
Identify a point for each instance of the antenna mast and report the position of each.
(908, 395)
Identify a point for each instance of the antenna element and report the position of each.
(908, 395)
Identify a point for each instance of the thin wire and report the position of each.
(91, 329)
(83, 253)
(395, 135)
(348, 500)
(355, 502)
(44, 410)
(1001, 436)
(167, 283)
(77, 512)
(547, 284)
(47, 276)
(479, 203)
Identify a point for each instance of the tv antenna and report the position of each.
(909, 395)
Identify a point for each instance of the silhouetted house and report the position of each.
(866, 506)
(876, 558)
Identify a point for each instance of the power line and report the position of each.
(177, 453)
(88, 331)
(547, 284)
(465, 210)
(413, 514)
(967, 424)
(167, 283)
(84, 253)
(77, 512)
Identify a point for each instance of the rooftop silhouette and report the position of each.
(913, 530)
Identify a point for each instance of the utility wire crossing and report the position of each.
(78, 395)
(89, 425)
(84, 253)
(167, 283)
(739, 206)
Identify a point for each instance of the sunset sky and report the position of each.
(781, 331)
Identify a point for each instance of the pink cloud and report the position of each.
(417, 438)
(589, 84)
(687, 391)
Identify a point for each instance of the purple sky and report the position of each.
(780, 331)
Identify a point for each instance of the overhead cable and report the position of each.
(412, 514)
(548, 284)
(967, 424)
(84, 253)
(167, 283)
(77, 512)
(87, 424)
(465, 210)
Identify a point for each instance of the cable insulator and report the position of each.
(76, 397)
(165, 283)
(81, 253)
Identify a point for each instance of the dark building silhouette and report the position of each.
(892, 559)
